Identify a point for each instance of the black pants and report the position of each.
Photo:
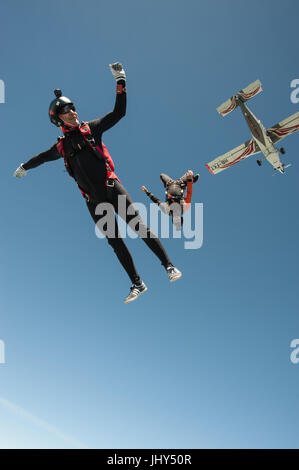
(116, 241)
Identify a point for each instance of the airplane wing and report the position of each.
(234, 156)
(284, 128)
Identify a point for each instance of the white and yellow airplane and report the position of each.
(262, 140)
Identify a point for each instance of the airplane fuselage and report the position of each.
(260, 136)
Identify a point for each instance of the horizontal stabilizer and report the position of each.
(250, 91)
(233, 156)
(227, 107)
(244, 95)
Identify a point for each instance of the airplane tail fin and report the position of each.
(243, 95)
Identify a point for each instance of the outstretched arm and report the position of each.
(47, 156)
(151, 195)
(163, 205)
(104, 123)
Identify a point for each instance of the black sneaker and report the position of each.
(135, 291)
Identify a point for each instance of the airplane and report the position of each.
(262, 140)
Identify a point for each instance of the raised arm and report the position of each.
(104, 123)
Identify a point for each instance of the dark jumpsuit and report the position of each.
(89, 171)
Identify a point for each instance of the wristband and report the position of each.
(120, 89)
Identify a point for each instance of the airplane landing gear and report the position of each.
(259, 162)
(282, 150)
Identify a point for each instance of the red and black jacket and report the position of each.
(86, 157)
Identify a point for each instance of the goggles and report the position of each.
(67, 108)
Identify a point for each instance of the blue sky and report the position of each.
(201, 363)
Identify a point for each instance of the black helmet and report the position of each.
(55, 107)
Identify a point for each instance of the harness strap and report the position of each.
(68, 168)
(86, 133)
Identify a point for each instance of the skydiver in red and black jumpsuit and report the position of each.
(89, 163)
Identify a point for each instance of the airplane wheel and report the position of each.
(259, 163)
(282, 150)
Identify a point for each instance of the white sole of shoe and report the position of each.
(178, 276)
(135, 298)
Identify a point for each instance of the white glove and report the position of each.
(189, 175)
(117, 71)
(20, 171)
